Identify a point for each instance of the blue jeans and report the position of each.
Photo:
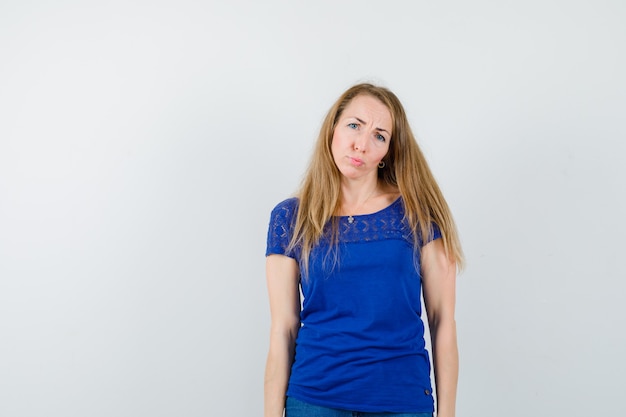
(297, 408)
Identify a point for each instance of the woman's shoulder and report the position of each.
(286, 209)
(290, 203)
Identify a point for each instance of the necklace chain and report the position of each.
(350, 217)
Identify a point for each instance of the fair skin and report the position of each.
(439, 284)
(360, 141)
(282, 284)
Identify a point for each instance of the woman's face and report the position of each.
(361, 137)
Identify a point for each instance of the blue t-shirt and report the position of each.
(361, 343)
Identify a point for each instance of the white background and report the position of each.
(144, 143)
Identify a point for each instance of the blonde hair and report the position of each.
(405, 168)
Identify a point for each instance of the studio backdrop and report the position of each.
(143, 145)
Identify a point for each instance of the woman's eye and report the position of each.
(352, 125)
(380, 138)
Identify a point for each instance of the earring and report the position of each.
(381, 164)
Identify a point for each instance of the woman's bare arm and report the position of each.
(284, 296)
(439, 280)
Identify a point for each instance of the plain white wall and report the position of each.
(144, 143)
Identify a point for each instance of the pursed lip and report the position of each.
(355, 161)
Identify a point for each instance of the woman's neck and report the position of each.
(359, 198)
(357, 193)
(365, 198)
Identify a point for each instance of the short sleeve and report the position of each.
(434, 235)
(436, 232)
(280, 228)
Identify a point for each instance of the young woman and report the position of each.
(368, 229)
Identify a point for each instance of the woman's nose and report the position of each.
(360, 142)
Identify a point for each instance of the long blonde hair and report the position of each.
(405, 168)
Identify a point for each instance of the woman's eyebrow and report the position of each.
(380, 129)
